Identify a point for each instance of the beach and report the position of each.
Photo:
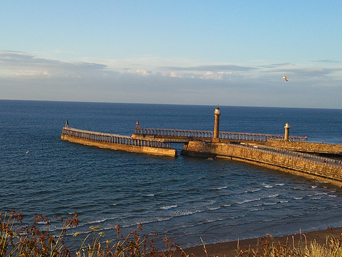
(228, 249)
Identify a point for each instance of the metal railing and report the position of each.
(210, 134)
(113, 138)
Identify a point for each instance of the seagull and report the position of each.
(285, 77)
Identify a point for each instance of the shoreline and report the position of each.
(228, 249)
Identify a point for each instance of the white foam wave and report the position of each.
(273, 196)
(257, 205)
(256, 209)
(282, 184)
(149, 195)
(321, 193)
(169, 207)
(209, 203)
(332, 195)
(214, 208)
(97, 221)
(268, 186)
(219, 188)
(297, 198)
(252, 191)
(249, 200)
(274, 203)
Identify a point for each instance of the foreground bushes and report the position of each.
(16, 240)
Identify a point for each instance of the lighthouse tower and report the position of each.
(287, 131)
(217, 114)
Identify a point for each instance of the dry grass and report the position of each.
(268, 247)
(17, 240)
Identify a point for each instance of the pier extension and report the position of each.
(117, 142)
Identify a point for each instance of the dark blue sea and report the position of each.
(184, 198)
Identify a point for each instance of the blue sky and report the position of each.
(173, 52)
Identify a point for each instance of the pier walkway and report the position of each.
(192, 134)
(118, 142)
(246, 147)
(113, 138)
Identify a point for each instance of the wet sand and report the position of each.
(228, 249)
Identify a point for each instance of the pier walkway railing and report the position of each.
(113, 138)
(210, 134)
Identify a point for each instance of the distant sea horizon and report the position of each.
(176, 104)
(184, 198)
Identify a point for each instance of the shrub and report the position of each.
(29, 240)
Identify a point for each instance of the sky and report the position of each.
(229, 53)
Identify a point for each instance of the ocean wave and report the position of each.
(214, 208)
(252, 191)
(169, 207)
(332, 195)
(224, 187)
(98, 221)
(256, 209)
(273, 196)
(249, 200)
(42, 222)
(297, 198)
(211, 202)
(271, 203)
(281, 184)
(218, 188)
(321, 193)
(268, 186)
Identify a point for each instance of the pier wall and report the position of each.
(306, 147)
(292, 164)
(169, 152)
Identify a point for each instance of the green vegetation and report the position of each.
(17, 240)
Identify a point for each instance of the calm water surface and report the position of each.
(185, 198)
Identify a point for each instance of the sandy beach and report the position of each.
(228, 249)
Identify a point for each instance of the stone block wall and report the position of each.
(292, 164)
(122, 147)
(306, 147)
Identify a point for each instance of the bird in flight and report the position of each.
(285, 77)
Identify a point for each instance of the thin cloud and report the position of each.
(209, 68)
(275, 65)
(308, 72)
(327, 61)
(24, 63)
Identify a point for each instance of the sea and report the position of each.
(187, 199)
